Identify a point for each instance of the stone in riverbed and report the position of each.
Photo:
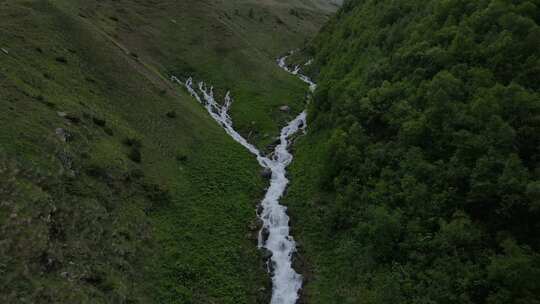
(266, 173)
(266, 254)
(285, 108)
(264, 235)
(272, 146)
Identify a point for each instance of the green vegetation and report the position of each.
(419, 179)
(229, 44)
(115, 186)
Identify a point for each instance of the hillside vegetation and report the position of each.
(115, 186)
(229, 44)
(419, 181)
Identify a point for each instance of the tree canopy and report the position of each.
(433, 161)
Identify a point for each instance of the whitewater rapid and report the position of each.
(286, 282)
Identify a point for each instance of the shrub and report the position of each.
(135, 154)
(61, 59)
(96, 171)
(132, 142)
(181, 157)
(108, 131)
(99, 121)
(73, 118)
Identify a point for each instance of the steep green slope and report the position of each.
(229, 44)
(419, 181)
(115, 186)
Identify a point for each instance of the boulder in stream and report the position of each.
(264, 235)
(266, 254)
(266, 173)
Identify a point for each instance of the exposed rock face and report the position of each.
(285, 109)
(63, 134)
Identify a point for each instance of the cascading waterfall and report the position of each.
(285, 280)
(282, 62)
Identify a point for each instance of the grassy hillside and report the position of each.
(230, 44)
(115, 186)
(419, 179)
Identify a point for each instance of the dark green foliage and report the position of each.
(433, 158)
(158, 197)
(171, 114)
(134, 145)
(135, 154)
(61, 59)
(132, 142)
(109, 131)
(294, 12)
(181, 157)
(99, 121)
(96, 171)
(73, 118)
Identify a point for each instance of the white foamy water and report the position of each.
(282, 62)
(286, 282)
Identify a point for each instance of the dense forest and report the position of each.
(428, 185)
